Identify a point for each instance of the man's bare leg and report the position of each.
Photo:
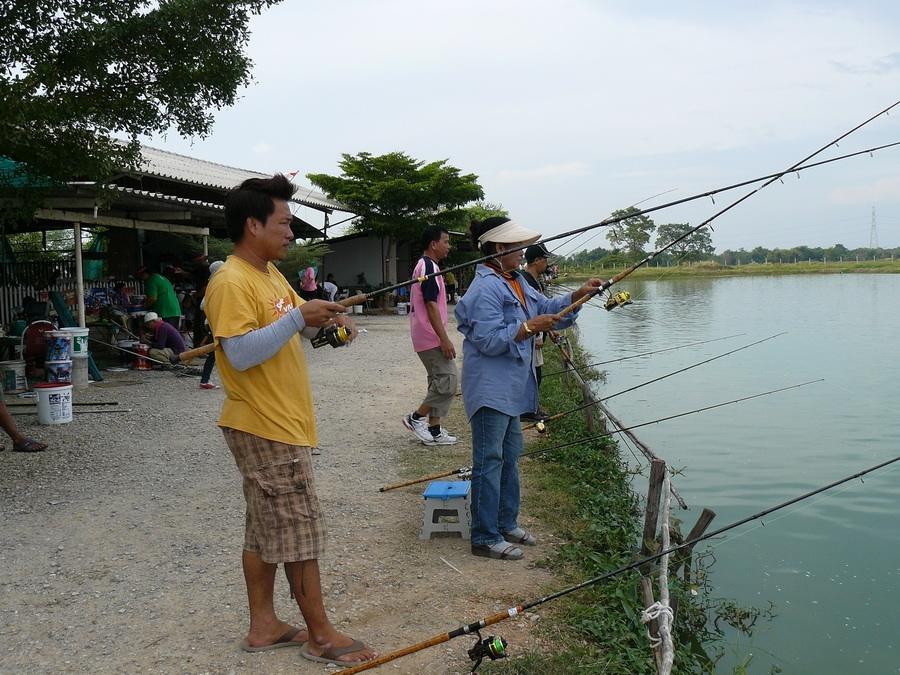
(424, 410)
(265, 626)
(322, 634)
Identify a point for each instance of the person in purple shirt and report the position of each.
(167, 341)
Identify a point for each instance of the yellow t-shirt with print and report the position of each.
(272, 400)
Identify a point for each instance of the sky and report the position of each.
(571, 109)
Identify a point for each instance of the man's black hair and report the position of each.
(254, 198)
(432, 233)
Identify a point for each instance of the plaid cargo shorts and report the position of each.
(284, 521)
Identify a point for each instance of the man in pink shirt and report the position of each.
(428, 330)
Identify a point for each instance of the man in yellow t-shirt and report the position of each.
(268, 419)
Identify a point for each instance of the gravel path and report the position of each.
(120, 547)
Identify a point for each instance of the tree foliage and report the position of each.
(697, 246)
(632, 233)
(481, 210)
(73, 73)
(397, 195)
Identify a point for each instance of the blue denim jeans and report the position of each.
(496, 446)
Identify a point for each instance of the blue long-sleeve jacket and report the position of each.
(498, 371)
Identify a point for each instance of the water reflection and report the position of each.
(745, 457)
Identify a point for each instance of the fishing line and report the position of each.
(818, 499)
(644, 261)
(476, 626)
(634, 356)
(663, 377)
(362, 297)
(597, 234)
(604, 434)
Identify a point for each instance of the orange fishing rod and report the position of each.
(495, 647)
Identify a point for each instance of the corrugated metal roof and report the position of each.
(201, 172)
(166, 198)
(305, 229)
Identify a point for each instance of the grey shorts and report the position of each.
(442, 378)
(284, 522)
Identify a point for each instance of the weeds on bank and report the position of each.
(585, 492)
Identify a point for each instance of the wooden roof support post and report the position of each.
(205, 245)
(79, 274)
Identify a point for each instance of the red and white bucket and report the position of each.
(54, 403)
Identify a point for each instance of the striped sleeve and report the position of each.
(430, 289)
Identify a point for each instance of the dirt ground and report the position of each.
(120, 546)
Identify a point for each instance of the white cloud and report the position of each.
(884, 190)
(547, 171)
(646, 96)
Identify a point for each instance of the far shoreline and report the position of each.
(712, 269)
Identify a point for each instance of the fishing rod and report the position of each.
(623, 298)
(179, 359)
(588, 404)
(612, 220)
(634, 356)
(476, 626)
(467, 469)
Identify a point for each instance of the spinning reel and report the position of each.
(492, 647)
(619, 299)
(336, 336)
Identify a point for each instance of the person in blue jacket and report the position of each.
(499, 315)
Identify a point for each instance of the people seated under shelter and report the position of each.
(167, 341)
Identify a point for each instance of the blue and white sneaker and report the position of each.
(419, 428)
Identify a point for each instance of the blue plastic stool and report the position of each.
(447, 508)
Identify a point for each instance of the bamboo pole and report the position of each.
(665, 617)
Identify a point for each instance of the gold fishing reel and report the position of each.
(619, 299)
(336, 336)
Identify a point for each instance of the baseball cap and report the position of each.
(150, 316)
(536, 251)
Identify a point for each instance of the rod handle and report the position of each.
(354, 300)
(184, 357)
(434, 476)
(391, 656)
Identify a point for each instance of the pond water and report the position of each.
(830, 565)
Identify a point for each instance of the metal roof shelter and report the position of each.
(169, 193)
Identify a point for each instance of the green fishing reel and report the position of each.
(492, 647)
(619, 299)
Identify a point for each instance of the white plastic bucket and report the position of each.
(79, 341)
(80, 375)
(13, 375)
(59, 345)
(54, 403)
(402, 308)
(59, 372)
(357, 309)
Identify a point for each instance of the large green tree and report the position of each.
(397, 195)
(74, 73)
(697, 246)
(632, 233)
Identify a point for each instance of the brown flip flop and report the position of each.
(286, 640)
(332, 655)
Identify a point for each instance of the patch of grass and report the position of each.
(713, 269)
(583, 492)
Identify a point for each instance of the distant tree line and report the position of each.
(630, 238)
